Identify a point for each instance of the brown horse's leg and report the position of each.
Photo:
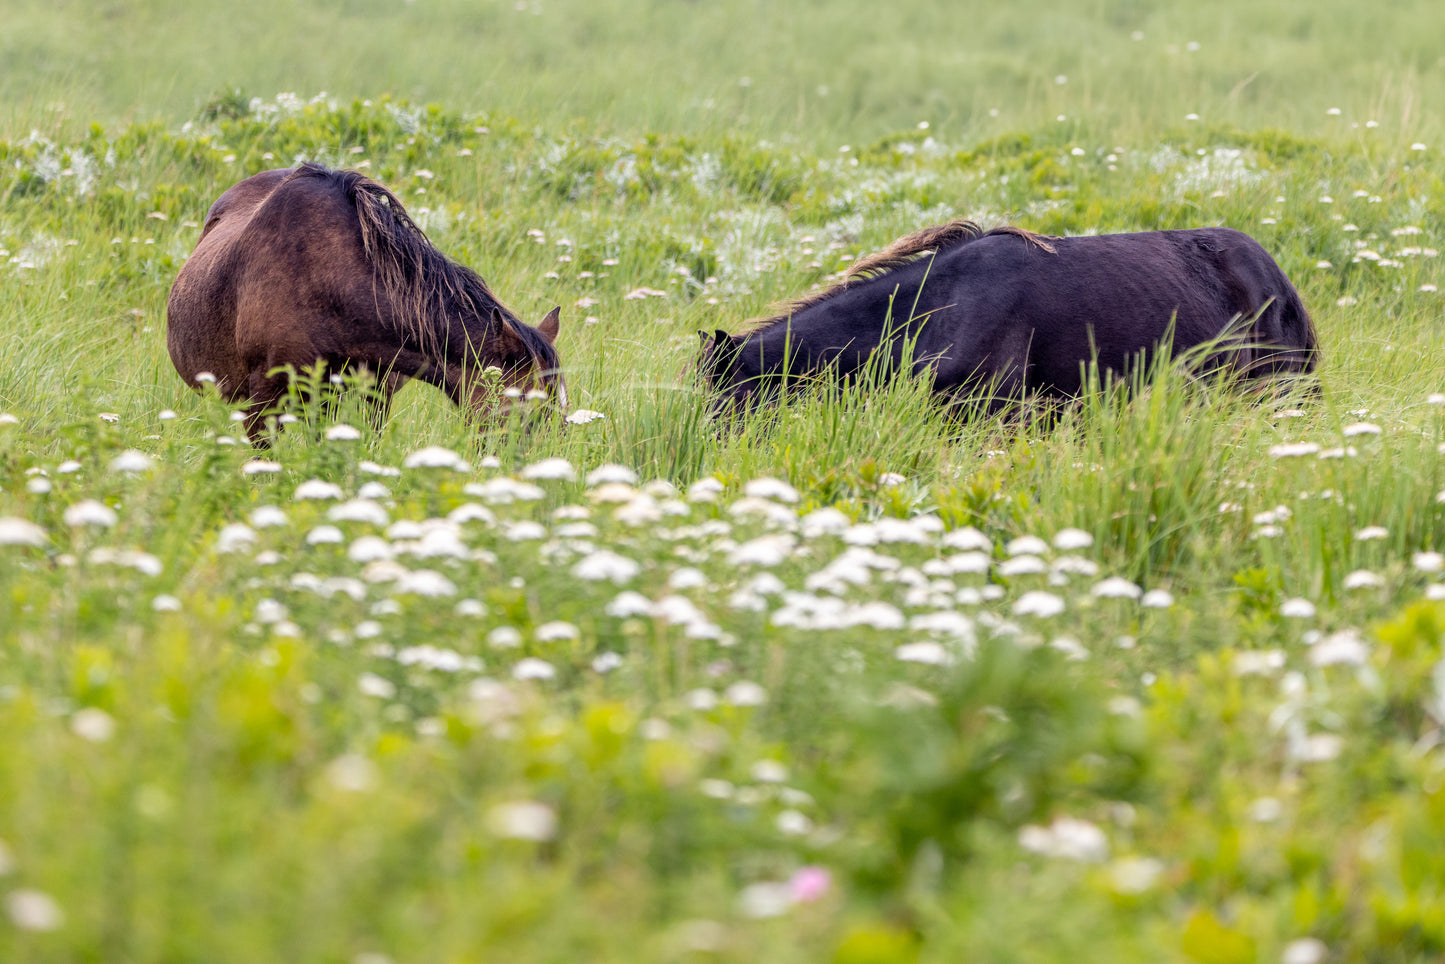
(265, 391)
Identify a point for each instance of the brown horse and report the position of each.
(307, 266)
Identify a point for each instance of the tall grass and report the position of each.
(798, 711)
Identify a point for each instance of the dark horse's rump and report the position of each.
(1015, 314)
(307, 265)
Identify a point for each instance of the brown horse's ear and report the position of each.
(551, 324)
(505, 333)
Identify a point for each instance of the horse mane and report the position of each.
(423, 287)
(907, 249)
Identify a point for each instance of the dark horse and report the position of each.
(307, 265)
(1005, 315)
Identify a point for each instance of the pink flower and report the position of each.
(810, 883)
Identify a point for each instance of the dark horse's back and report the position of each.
(1026, 315)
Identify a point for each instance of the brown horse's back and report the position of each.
(201, 312)
(279, 277)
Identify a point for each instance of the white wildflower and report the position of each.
(825, 521)
(745, 693)
(235, 537)
(20, 532)
(359, 510)
(435, 457)
(1067, 838)
(1428, 561)
(1289, 450)
(317, 489)
(504, 637)
(627, 604)
(1044, 605)
(325, 535)
(1134, 875)
(352, 773)
(1304, 950)
(369, 549)
(1297, 608)
(523, 820)
(533, 668)
(611, 472)
(793, 823)
(558, 629)
(1344, 648)
(377, 686)
(90, 513)
(927, 651)
(33, 910)
(1026, 546)
(763, 551)
(606, 662)
(1070, 539)
(705, 490)
(604, 564)
(967, 538)
(554, 468)
(1363, 579)
(1257, 662)
(771, 488)
(1022, 566)
(131, 461)
(267, 517)
(425, 582)
(764, 900)
(1116, 587)
(93, 724)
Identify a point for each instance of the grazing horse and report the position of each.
(305, 266)
(1004, 315)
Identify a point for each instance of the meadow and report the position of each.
(1159, 680)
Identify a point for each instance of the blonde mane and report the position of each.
(905, 250)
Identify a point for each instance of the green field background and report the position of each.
(820, 710)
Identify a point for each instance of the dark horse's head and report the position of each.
(726, 377)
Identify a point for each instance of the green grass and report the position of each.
(757, 730)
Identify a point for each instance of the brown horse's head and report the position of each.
(527, 362)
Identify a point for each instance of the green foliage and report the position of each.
(256, 743)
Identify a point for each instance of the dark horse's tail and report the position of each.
(425, 292)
